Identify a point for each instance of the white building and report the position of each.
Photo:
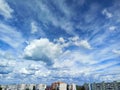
(9, 87)
(3, 87)
(40, 87)
(21, 87)
(59, 86)
(72, 87)
(29, 86)
(62, 86)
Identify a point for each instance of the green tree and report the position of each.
(67, 87)
(0, 88)
(27, 89)
(33, 87)
(83, 88)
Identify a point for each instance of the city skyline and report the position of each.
(73, 41)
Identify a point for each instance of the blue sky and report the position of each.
(75, 41)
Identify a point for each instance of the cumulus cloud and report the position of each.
(42, 49)
(5, 9)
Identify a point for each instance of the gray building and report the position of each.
(105, 86)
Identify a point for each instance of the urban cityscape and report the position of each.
(64, 86)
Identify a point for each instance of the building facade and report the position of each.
(40, 87)
(72, 87)
(59, 86)
(105, 86)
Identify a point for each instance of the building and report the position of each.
(72, 87)
(21, 87)
(59, 86)
(40, 86)
(3, 87)
(105, 86)
(48, 88)
(29, 86)
(86, 86)
(9, 87)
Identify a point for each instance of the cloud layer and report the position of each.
(69, 40)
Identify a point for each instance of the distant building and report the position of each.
(63, 86)
(48, 88)
(40, 87)
(3, 87)
(86, 86)
(29, 86)
(9, 87)
(21, 87)
(59, 86)
(106, 86)
(72, 87)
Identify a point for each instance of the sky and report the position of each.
(74, 41)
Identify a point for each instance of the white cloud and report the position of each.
(73, 41)
(10, 35)
(34, 27)
(42, 72)
(5, 9)
(71, 59)
(112, 28)
(83, 43)
(75, 38)
(116, 52)
(24, 71)
(42, 49)
(61, 39)
(106, 13)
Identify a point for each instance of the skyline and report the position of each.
(75, 41)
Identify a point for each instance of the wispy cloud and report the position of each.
(5, 10)
(10, 35)
(106, 13)
(34, 27)
(75, 41)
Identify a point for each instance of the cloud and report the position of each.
(24, 71)
(42, 49)
(116, 52)
(112, 28)
(36, 30)
(34, 27)
(10, 35)
(20, 71)
(83, 43)
(5, 9)
(75, 41)
(106, 13)
(83, 58)
(44, 72)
